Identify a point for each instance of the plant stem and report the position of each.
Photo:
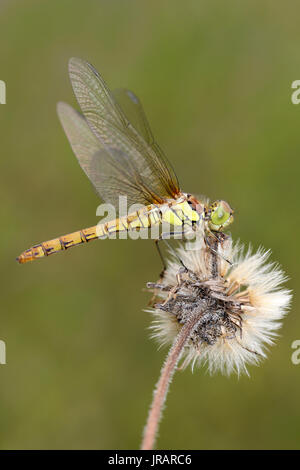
(166, 375)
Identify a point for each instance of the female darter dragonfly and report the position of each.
(115, 147)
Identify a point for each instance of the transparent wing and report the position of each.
(131, 152)
(108, 178)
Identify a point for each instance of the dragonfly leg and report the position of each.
(161, 276)
(213, 234)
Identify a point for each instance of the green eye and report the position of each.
(219, 216)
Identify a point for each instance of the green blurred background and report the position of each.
(215, 79)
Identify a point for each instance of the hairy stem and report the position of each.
(165, 378)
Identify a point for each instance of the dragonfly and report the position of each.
(115, 147)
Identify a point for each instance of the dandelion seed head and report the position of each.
(243, 304)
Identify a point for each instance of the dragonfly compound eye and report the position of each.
(221, 215)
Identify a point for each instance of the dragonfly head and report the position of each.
(219, 216)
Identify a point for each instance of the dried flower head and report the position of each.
(242, 304)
